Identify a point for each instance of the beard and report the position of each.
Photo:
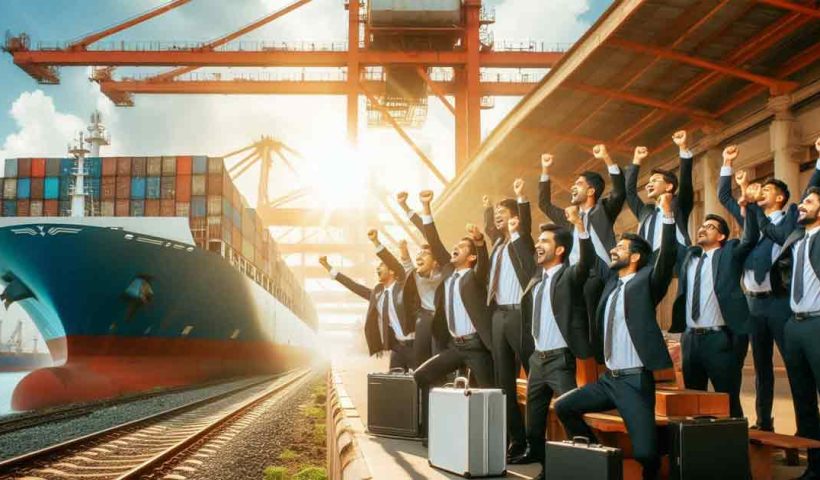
(618, 264)
(807, 219)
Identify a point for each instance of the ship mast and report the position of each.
(97, 134)
(78, 192)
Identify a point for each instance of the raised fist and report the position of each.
(665, 201)
(679, 138)
(753, 192)
(474, 232)
(547, 159)
(401, 197)
(485, 201)
(518, 187)
(640, 154)
(426, 196)
(373, 235)
(599, 151)
(741, 178)
(572, 215)
(323, 262)
(513, 224)
(730, 154)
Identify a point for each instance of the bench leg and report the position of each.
(792, 457)
(760, 460)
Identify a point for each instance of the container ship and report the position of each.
(143, 272)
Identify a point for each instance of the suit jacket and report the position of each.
(781, 274)
(525, 225)
(601, 217)
(473, 288)
(641, 297)
(780, 232)
(682, 204)
(566, 291)
(727, 270)
(409, 295)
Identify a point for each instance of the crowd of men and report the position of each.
(501, 298)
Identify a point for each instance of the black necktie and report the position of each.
(536, 310)
(650, 231)
(497, 269)
(799, 266)
(451, 310)
(610, 321)
(385, 317)
(696, 289)
(761, 261)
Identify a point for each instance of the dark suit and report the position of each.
(709, 355)
(682, 204)
(632, 393)
(552, 373)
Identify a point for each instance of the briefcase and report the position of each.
(705, 448)
(577, 459)
(393, 404)
(467, 430)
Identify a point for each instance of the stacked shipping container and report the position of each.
(196, 187)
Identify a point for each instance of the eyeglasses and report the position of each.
(709, 226)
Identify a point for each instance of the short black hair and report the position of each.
(723, 225)
(781, 186)
(812, 191)
(637, 244)
(473, 248)
(596, 181)
(426, 246)
(510, 204)
(668, 176)
(562, 236)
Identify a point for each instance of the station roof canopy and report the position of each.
(644, 70)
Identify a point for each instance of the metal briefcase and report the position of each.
(393, 404)
(705, 448)
(577, 459)
(467, 430)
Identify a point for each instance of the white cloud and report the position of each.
(553, 21)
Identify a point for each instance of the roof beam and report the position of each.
(775, 85)
(579, 139)
(794, 7)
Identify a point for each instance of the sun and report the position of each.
(339, 176)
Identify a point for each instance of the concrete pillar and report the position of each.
(709, 165)
(784, 139)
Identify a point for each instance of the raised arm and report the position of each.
(555, 214)
(386, 256)
(348, 282)
(634, 201)
(580, 271)
(524, 249)
(750, 235)
(686, 191)
(614, 202)
(415, 219)
(664, 266)
(725, 183)
(430, 231)
(482, 265)
(524, 211)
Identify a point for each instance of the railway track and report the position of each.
(143, 448)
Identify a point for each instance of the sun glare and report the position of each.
(339, 177)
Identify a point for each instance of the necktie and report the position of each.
(497, 268)
(696, 289)
(536, 309)
(762, 260)
(799, 266)
(610, 321)
(451, 311)
(650, 231)
(583, 216)
(385, 317)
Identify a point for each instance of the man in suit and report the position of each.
(387, 326)
(462, 317)
(628, 340)
(710, 308)
(660, 182)
(559, 329)
(507, 279)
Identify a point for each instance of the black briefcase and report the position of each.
(393, 404)
(577, 459)
(705, 448)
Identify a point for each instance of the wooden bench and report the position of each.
(762, 446)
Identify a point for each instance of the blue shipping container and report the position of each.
(236, 217)
(11, 168)
(10, 208)
(67, 167)
(152, 188)
(65, 184)
(93, 186)
(93, 166)
(200, 164)
(51, 188)
(24, 188)
(138, 208)
(138, 188)
(198, 207)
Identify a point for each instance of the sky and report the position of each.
(39, 120)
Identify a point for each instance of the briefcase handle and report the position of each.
(397, 370)
(582, 440)
(463, 382)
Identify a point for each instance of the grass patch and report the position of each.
(314, 412)
(311, 473)
(276, 473)
(320, 433)
(288, 455)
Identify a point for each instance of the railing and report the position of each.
(188, 45)
(530, 46)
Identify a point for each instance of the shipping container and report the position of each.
(236, 200)
(123, 188)
(200, 164)
(93, 187)
(138, 166)
(51, 208)
(10, 189)
(38, 167)
(169, 166)
(184, 165)
(154, 166)
(23, 167)
(10, 168)
(65, 187)
(152, 188)
(226, 234)
(247, 249)
(215, 165)
(198, 207)
(167, 187)
(214, 227)
(122, 208)
(137, 188)
(236, 238)
(109, 166)
(9, 208)
(67, 167)
(214, 205)
(65, 208)
(183, 188)
(124, 166)
(53, 167)
(108, 188)
(183, 209)
(23, 208)
(236, 217)
(138, 208)
(93, 166)
(214, 184)
(37, 188)
(152, 208)
(167, 208)
(51, 188)
(36, 208)
(198, 185)
(107, 208)
(199, 228)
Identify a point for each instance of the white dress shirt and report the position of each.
(623, 353)
(462, 323)
(710, 315)
(811, 284)
(425, 286)
(508, 289)
(549, 337)
(394, 322)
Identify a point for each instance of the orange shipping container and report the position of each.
(184, 188)
(123, 188)
(51, 208)
(152, 208)
(122, 208)
(23, 167)
(38, 167)
(123, 166)
(167, 208)
(109, 166)
(108, 188)
(23, 208)
(184, 165)
(37, 188)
